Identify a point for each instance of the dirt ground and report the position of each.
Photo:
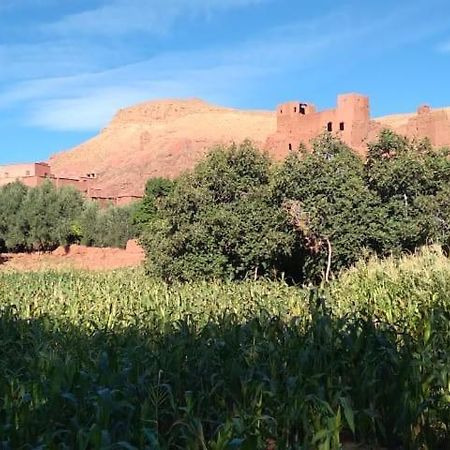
(76, 257)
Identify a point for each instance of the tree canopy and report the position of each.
(238, 214)
(45, 217)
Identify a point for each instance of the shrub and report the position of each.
(412, 182)
(238, 214)
(219, 222)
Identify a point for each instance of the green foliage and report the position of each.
(439, 212)
(107, 227)
(89, 224)
(238, 215)
(411, 180)
(12, 224)
(118, 360)
(115, 226)
(44, 217)
(155, 190)
(50, 215)
(336, 204)
(40, 218)
(219, 222)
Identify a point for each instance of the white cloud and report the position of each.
(119, 17)
(89, 111)
(77, 83)
(64, 57)
(86, 101)
(89, 101)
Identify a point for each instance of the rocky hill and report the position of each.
(164, 138)
(161, 138)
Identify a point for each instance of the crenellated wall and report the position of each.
(300, 122)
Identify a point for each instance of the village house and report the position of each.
(34, 174)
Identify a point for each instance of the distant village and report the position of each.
(34, 174)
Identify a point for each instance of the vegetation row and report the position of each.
(118, 361)
(239, 215)
(230, 352)
(45, 217)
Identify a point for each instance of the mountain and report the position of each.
(160, 138)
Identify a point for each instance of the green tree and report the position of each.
(115, 226)
(50, 215)
(89, 226)
(45, 217)
(334, 209)
(13, 228)
(107, 227)
(219, 222)
(155, 190)
(409, 178)
(70, 204)
(439, 213)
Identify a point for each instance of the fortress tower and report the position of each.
(353, 119)
(300, 122)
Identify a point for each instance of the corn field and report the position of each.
(117, 361)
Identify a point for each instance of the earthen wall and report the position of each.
(435, 125)
(300, 122)
(34, 174)
(24, 170)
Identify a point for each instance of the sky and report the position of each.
(67, 66)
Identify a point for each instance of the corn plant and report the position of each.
(115, 360)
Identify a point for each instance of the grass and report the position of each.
(114, 360)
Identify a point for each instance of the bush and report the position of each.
(238, 214)
(219, 222)
(44, 217)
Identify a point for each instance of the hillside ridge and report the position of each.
(159, 138)
(167, 137)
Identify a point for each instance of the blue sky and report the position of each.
(67, 66)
